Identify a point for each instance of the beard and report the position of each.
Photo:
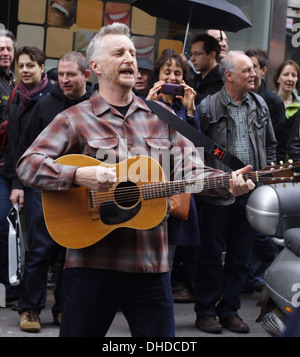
(117, 79)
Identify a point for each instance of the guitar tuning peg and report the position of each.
(290, 161)
(281, 162)
(272, 163)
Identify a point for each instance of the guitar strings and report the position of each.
(161, 189)
(99, 198)
(175, 185)
(103, 198)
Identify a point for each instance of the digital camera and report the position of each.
(172, 89)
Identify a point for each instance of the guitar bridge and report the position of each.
(93, 208)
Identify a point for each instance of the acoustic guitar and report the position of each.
(79, 217)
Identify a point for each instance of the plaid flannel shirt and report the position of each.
(239, 113)
(84, 129)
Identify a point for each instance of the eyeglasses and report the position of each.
(196, 54)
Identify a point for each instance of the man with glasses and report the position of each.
(204, 55)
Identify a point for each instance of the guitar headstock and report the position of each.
(282, 173)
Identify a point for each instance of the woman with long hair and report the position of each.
(287, 82)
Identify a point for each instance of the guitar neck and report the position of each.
(224, 180)
(170, 188)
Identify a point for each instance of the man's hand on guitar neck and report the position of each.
(238, 186)
(97, 178)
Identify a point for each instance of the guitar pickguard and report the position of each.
(110, 213)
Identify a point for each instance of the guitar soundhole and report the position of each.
(127, 194)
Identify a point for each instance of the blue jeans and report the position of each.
(5, 206)
(42, 253)
(218, 287)
(93, 296)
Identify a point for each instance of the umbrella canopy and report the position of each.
(198, 14)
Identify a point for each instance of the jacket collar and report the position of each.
(227, 99)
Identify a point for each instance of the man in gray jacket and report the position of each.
(238, 121)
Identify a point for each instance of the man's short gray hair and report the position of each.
(228, 63)
(95, 45)
(8, 33)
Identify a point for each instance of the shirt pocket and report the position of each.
(160, 149)
(157, 146)
(259, 129)
(158, 143)
(104, 149)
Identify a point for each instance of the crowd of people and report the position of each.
(224, 96)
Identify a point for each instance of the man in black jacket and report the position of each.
(7, 78)
(274, 102)
(204, 55)
(294, 139)
(72, 87)
(264, 249)
(7, 83)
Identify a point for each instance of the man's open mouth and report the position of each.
(127, 72)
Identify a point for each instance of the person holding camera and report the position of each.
(172, 83)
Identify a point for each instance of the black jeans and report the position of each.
(42, 252)
(218, 286)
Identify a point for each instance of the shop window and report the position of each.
(89, 14)
(55, 48)
(32, 11)
(142, 23)
(30, 35)
(58, 26)
(171, 44)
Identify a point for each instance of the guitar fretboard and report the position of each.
(166, 189)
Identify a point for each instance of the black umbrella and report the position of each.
(199, 14)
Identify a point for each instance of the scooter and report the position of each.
(274, 210)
